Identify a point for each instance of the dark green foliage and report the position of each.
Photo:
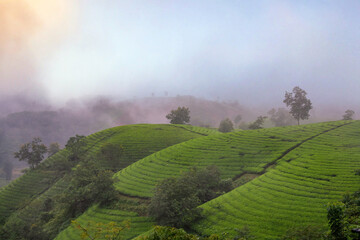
(305, 233)
(171, 233)
(299, 104)
(344, 216)
(258, 123)
(348, 115)
(76, 147)
(226, 125)
(111, 153)
(33, 153)
(175, 200)
(53, 148)
(174, 203)
(243, 234)
(335, 215)
(88, 185)
(281, 117)
(179, 116)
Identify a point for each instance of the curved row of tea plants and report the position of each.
(95, 215)
(138, 141)
(234, 154)
(295, 192)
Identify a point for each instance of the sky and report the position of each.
(250, 51)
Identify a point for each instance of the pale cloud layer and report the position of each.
(252, 51)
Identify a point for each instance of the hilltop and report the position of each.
(285, 177)
(24, 195)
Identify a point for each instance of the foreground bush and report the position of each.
(175, 200)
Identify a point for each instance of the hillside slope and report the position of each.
(295, 192)
(236, 154)
(138, 141)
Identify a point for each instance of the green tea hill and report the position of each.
(138, 141)
(296, 170)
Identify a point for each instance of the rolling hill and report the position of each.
(296, 170)
(295, 192)
(138, 141)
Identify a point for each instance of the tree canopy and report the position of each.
(300, 105)
(348, 115)
(281, 117)
(175, 200)
(258, 123)
(76, 147)
(33, 153)
(179, 116)
(226, 125)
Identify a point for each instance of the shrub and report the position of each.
(175, 200)
(226, 125)
(179, 116)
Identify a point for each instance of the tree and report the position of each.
(175, 200)
(348, 115)
(33, 153)
(179, 116)
(299, 104)
(226, 125)
(53, 148)
(76, 147)
(237, 119)
(335, 216)
(89, 184)
(281, 117)
(258, 123)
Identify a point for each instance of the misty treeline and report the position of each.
(36, 119)
(22, 119)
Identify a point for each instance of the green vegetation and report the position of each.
(300, 105)
(234, 153)
(34, 189)
(258, 123)
(179, 116)
(96, 230)
(349, 114)
(344, 216)
(53, 148)
(293, 193)
(285, 177)
(33, 153)
(130, 210)
(226, 125)
(281, 117)
(175, 199)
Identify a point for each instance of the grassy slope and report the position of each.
(126, 211)
(138, 223)
(234, 153)
(138, 141)
(293, 193)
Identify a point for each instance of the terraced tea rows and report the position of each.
(295, 192)
(234, 153)
(96, 214)
(138, 141)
